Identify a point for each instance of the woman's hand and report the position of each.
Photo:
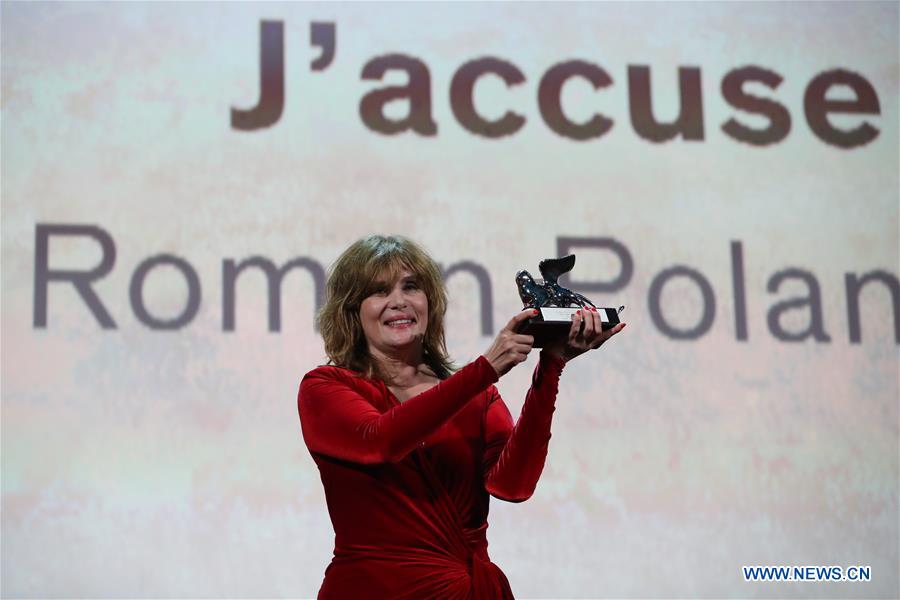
(586, 333)
(510, 348)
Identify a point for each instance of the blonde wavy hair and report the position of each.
(352, 279)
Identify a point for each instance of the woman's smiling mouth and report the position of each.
(400, 323)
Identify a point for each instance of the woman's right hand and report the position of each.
(510, 347)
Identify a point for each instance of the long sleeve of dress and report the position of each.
(338, 421)
(514, 455)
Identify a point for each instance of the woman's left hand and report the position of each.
(585, 334)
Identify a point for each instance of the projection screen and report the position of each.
(177, 179)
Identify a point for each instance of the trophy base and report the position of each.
(554, 323)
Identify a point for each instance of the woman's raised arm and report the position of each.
(339, 422)
(514, 455)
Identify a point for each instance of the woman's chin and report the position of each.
(403, 339)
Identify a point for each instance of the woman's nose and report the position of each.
(397, 298)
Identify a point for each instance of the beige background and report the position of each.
(140, 463)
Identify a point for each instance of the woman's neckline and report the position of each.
(433, 382)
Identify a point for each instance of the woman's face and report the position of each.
(394, 317)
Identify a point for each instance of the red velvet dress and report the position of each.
(407, 483)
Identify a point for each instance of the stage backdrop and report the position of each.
(178, 177)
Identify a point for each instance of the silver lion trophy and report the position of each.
(556, 304)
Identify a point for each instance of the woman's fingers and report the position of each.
(577, 324)
(511, 348)
(585, 325)
(598, 325)
(591, 324)
(521, 338)
(585, 333)
(519, 319)
(587, 330)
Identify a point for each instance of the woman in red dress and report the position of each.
(409, 451)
